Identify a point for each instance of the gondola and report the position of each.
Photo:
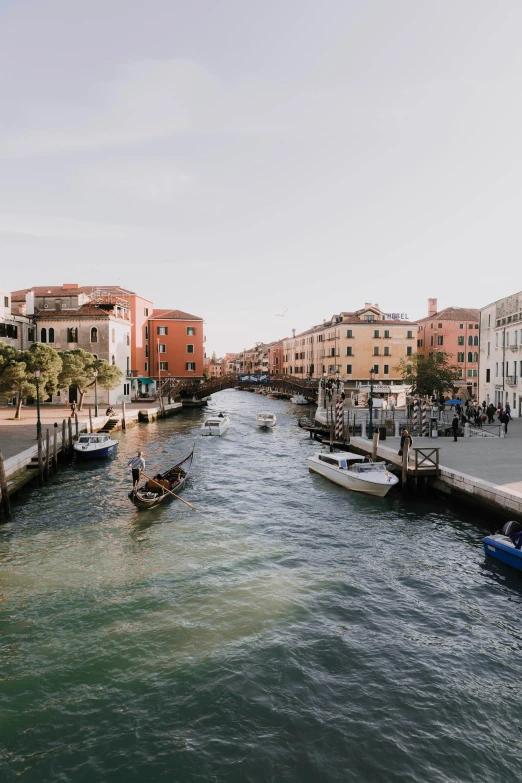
(144, 498)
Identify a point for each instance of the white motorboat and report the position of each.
(215, 425)
(350, 471)
(95, 446)
(299, 399)
(266, 419)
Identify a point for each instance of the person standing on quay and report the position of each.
(504, 419)
(507, 408)
(137, 464)
(455, 427)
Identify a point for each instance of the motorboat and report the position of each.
(215, 425)
(267, 420)
(95, 446)
(349, 470)
(505, 545)
(299, 399)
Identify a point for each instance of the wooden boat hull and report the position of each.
(140, 498)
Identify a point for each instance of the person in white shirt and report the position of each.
(137, 464)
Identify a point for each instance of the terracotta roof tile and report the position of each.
(85, 311)
(173, 315)
(453, 314)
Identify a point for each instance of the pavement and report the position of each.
(18, 435)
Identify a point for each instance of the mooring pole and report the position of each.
(64, 439)
(405, 453)
(70, 437)
(90, 419)
(47, 454)
(55, 447)
(40, 459)
(76, 425)
(375, 444)
(123, 423)
(6, 505)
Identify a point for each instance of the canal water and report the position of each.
(290, 631)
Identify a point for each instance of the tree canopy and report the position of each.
(78, 370)
(17, 371)
(428, 375)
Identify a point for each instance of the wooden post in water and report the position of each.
(332, 432)
(55, 447)
(90, 419)
(3, 489)
(375, 444)
(47, 454)
(40, 459)
(70, 437)
(405, 453)
(76, 425)
(64, 439)
(123, 423)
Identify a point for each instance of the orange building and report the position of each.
(175, 345)
(454, 330)
(275, 358)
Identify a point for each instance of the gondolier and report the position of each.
(137, 464)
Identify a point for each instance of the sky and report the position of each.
(240, 159)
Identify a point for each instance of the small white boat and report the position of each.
(299, 399)
(215, 425)
(350, 471)
(267, 420)
(95, 446)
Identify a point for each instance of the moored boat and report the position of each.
(350, 471)
(299, 399)
(215, 425)
(505, 545)
(153, 493)
(266, 420)
(95, 446)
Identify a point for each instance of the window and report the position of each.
(440, 326)
(386, 369)
(475, 356)
(470, 373)
(349, 333)
(190, 348)
(43, 335)
(440, 339)
(475, 340)
(376, 369)
(348, 369)
(128, 338)
(409, 350)
(147, 351)
(114, 335)
(72, 335)
(51, 335)
(387, 334)
(191, 331)
(386, 351)
(461, 340)
(470, 356)
(376, 333)
(470, 340)
(349, 351)
(113, 360)
(419, 343)
(409, 335)
(162, 348)
(146, 366)
(496, 369)
(496, 340)
(431, 340)
(30, 334)
(376, 350)
(94, 335)
(369, 318)
(470, 326)
(6, 301)
(145, 311)
(192, 366)
(146, 332)
(489, 349)
(477, 326)
(459, 373)
(126, 389)
(460, 356)
(489, 319)
(163, 329)
(461, 326)
(164, 365)
(128, 366)
(488, 375)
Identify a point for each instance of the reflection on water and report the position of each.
(291, 631)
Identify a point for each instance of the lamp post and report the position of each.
(324, 388)
(370, 404)
(337, 382)
(95, 373)
(37, 372)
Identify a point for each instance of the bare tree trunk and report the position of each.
(18, 406)
(80, 402)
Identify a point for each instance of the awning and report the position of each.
(145, 380)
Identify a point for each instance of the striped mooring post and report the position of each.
(339, 418)
(415, 415)
(424, 419)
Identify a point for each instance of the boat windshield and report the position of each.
(372, 467)
(84, 440)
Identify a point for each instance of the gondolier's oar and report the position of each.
(171, 493)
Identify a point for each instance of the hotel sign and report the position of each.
(397, 316)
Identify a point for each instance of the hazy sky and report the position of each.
(235, 158)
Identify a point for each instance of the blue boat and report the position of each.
(505, 545)
(96, 446)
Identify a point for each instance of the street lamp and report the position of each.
(370, 403)
(95, 373)
(37, 372)
(337, 382)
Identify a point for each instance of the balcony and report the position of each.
(511, 380)
(513, 347)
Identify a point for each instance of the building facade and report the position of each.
(16, 329)
(454, 330)
(500, 367)
(175, 346)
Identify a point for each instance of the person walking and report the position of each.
(504, 419)
(406, 442)
(490, 413)
(455, 427)
(137, 464)
(507, 409)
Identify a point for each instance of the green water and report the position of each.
(292, 632)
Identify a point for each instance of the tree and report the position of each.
(428, 375)
(78, 370)
(17, 371)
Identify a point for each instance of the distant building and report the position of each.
(175, 344)
(275, 357)
(230, 363)
(214, 368)
(500, 368)
(16, 328)
(454, 330)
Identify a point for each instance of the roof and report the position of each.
(85, 311)
(173, 315)
(453, 314)
(68, 290)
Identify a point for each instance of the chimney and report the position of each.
(70, 285)
(432, 307)
(293, 332)
(368, 304)
(29, 303)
